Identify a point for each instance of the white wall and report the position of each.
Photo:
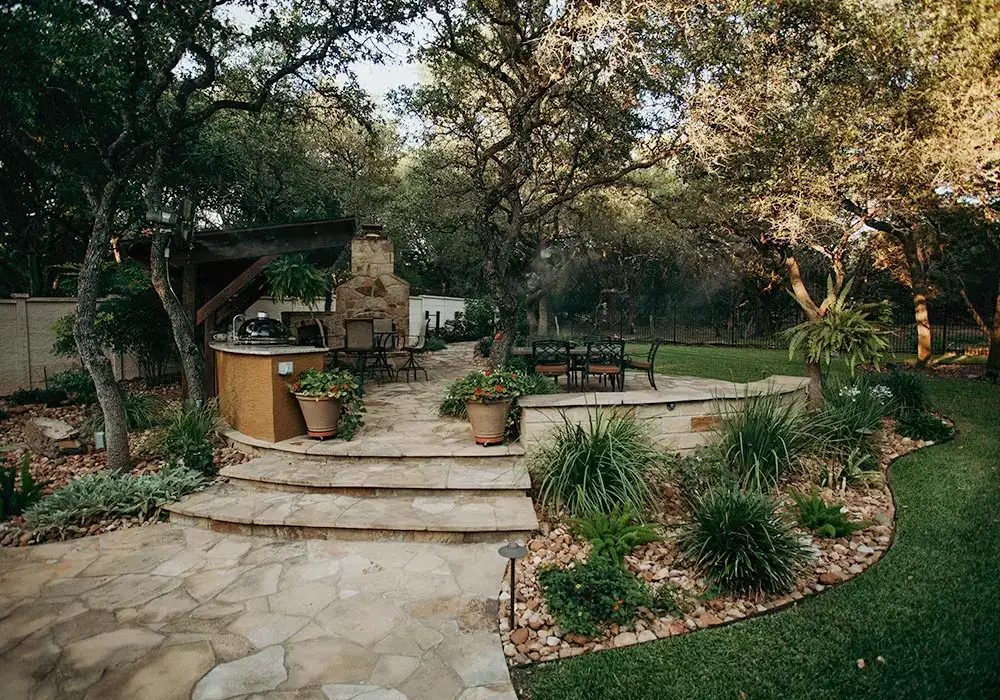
(429, 306)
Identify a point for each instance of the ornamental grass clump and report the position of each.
(189, 436)
(602, 467)
(923, 426)
(742, 543)
(852, 412)
(908, 389)
(764, 439)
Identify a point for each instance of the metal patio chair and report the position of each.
(552, 359)
(606, 359)
(411, 364)
(649, 364)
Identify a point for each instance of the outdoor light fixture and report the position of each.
(166, 217)
(512, 551)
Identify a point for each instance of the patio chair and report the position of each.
(359, 339)
(411, 364)
(606, 359)
(649, 364)
(552, 359)
(385, 340)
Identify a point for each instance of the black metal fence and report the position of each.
(766, 330)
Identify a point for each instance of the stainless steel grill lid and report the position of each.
(263, 330)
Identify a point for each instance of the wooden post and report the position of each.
(209, 354)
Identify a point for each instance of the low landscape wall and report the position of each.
(679, 421)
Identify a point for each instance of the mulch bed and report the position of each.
(537, 636)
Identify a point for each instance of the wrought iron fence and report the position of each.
(758, 329)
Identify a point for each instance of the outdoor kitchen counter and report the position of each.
(252, 384)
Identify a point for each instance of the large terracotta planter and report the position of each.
(488, 420)
(322, 415)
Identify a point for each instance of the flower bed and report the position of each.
(538, 637)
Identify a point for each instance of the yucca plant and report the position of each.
(742, 543)
(764, 439)
(598, 468)
(614, 535)
(14, 497)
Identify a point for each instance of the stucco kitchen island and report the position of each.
(252, 385)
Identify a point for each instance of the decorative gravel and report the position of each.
(538, 638)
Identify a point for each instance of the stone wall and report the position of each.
(678, 422)
(374, 291)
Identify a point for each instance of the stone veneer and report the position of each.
(681, 416)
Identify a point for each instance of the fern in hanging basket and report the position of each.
(845, 330)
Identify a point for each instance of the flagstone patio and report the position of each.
(166, 612)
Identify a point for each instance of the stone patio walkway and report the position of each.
(167, 612)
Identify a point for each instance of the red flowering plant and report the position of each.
(331, 383)
(488, 385)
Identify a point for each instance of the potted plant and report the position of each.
(487, 396)
(321, 395)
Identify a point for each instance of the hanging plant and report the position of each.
(293, 277)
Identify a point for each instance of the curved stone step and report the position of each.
(229, 508)
(374, 477)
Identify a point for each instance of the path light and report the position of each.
(512, 551)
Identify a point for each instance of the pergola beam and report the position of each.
(235, 244)
(242, 280)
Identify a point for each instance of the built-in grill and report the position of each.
(261, 330)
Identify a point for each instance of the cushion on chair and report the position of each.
(604, 369)
(638, 364)
(551, 369)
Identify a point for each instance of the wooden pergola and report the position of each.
(220, 270)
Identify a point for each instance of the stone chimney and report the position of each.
(371, 254)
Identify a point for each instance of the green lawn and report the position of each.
(930, 607)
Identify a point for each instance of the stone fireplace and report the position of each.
(373, 291)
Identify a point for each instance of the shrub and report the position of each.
(852, 411)
(3, 415)
(824, 519)
(479, 317)
(14, 500)
(142, 412)
(434, 343)
(615, 535)
(909, 391)
(189, 437)
(483, 346)
(600, 468)
(582, 597)
(923, 426)
(95, 497)
(25, 397)
(764, 439)
(742, 543)
(77, 384)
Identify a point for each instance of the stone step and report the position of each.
(230, 508)
(383, 477)
(416, 439)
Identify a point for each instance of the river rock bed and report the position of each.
(537, 636)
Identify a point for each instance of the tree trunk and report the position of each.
(543, 315)
(993, 358)
(507, 327)
(108, 392)
(192, 362)
(814, 392)
(923, 326)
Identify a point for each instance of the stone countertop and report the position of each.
(266, 350)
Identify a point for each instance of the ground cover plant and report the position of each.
(920, 608)
(600, 467)
(584, 596)
(824, 519)
(96, 497)
(615, 535)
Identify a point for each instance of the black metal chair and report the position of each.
(606, 359)
(551, 359)
(649, 364)
(411, 364)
